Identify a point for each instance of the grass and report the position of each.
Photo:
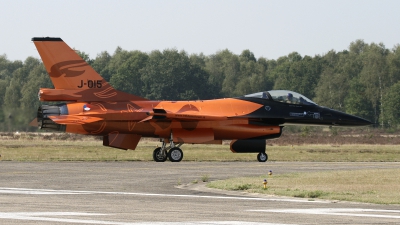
(379, 186)
(205, 177)
(90, 149)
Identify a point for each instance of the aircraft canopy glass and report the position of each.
(258, 95)
(284, 96)
(290, 97)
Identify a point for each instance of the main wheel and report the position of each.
(175, 154)
(262, 157)
(158, 156)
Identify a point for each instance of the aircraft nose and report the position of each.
(350, 120)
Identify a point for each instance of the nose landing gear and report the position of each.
(262, 157)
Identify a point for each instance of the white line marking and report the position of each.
(28, 191)
(41, 216)
(338, 212)
(49, 217)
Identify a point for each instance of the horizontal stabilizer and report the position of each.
(67, 119)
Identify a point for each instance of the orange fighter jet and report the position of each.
(93, 107)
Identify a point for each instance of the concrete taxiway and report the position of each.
(120, 193)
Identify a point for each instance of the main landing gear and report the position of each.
(172, 152)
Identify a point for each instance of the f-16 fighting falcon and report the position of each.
(93, 107)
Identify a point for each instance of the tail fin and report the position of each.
(66, 68)
(69, 72)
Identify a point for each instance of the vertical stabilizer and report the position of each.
(66, 68)
(74, 78)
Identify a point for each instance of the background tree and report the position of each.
(374, 76)
(231, 73)
(128, 77)
(214, 65)
(391, 103)
(114, 63)
(85, 57)
(101, 65)
(169, 75)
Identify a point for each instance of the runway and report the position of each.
(168, 194)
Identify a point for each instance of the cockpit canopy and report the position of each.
(284, 96)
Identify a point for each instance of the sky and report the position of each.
(269, 28)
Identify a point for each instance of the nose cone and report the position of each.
(350, 120)
(343, 119)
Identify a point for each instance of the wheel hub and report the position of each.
(175, 154)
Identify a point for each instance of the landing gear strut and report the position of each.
(172, 152)
(262, 157)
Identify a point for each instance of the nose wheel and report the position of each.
(262, 157)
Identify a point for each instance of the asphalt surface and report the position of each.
(164, 194)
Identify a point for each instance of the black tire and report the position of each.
(157, 156)
(175, 154)
(262, 157)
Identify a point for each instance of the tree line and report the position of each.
(362, 80)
